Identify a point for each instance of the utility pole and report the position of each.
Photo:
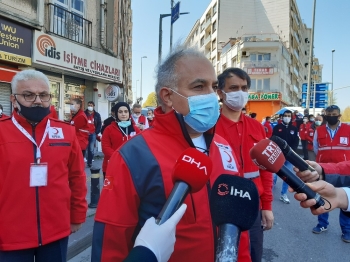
(171, 26)
(311, 53)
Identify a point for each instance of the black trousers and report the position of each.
(53, 252)
(305, 152)
(256, 236)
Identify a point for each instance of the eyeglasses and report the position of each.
(30, 97)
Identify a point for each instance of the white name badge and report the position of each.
(38, 175)
(89, 121)
(343, 140)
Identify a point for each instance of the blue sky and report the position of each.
(331, 32)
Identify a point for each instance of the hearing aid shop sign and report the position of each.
(264, 97)
(62, 54)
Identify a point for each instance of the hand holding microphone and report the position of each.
(160, 239)
(191, 172)
(234, 207)
(268, 156)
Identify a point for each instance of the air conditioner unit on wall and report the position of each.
(245, 53)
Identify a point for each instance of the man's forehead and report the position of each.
(195, 68)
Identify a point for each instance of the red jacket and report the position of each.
(53, 112)
(341, 168)
(303, 130)
(3, 116)
(137, 184)
(80, 122)
(310, 136)
(58, 204)
(333, 150)
(112, 139)
(253, 132)
(268, 129)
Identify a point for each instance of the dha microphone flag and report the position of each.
(191, 172)
(234, 207)
(267, 155)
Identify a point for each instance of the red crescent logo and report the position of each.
(229, 157)
(55, 130)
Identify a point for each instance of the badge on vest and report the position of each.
(228, 161)
(343, 140)
(292, 132)
(55, 133)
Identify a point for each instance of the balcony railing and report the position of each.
(254, 64)
(206, 24)
(69, 25)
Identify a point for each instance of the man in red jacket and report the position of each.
(242, 133)
(42, 181)
(267, 126)
(139, 173)
(80, 122)
(332, 145)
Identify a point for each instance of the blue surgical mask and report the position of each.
(204, 111)
(124, 123)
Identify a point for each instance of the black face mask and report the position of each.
(34, 114)
(332, 120)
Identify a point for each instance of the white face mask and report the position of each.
(90, 108)
(286, 120)
(305, 120)
(318, 122)
(0, 111)
(236, 100)
(72, 108)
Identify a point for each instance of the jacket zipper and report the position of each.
(37, 194)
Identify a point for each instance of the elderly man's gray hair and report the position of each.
(166, 76)
(28, 74)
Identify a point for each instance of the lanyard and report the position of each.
(24, 132)
(126, 134)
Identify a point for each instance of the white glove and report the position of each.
(160, 239)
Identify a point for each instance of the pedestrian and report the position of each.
(303, 133)
(268, 127)
(108, 121)
(242, 133)
(289, 133)
(139, 175)
(140, 120)
(95, 124)
(331, 145)
(80, 122)
(150, 116)
(2, 115)
(118, 132)
(43, 183)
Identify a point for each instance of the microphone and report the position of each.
(191, 172)
(234, 207)
(290, 155)
(268, 156)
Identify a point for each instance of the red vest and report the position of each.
(303, 130)
(142, 120)
(333, 150)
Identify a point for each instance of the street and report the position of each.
(291, 238)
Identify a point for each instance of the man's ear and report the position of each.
(220, 94)
(13, 101)
(164, 95)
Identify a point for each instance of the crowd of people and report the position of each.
(139, 156)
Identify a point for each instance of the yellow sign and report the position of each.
(18, 59)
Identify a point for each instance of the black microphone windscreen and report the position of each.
(282, 144)
(234, 200)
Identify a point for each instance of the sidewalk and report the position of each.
(82, 239)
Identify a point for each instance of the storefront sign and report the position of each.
(260, 71)
(15, 43)
(263, 96)
(63, 54)
(112, 93)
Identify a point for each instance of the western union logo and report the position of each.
(15, 58)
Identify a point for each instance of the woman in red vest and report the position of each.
(118, 132)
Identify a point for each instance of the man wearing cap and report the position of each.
(332, 145)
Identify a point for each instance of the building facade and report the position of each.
(83, 47)
(266, 38)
